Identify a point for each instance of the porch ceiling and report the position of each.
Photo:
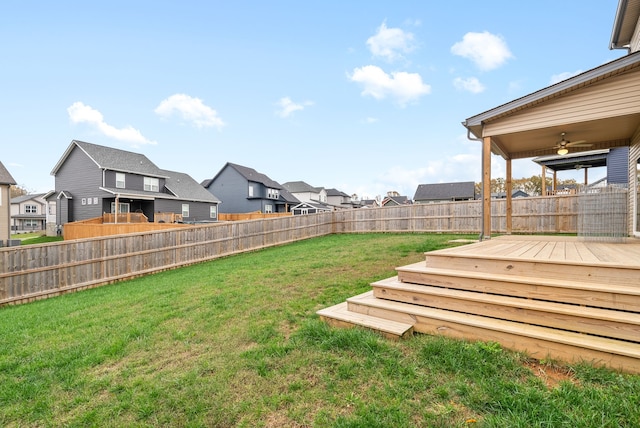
(601, 134)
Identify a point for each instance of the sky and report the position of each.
(364, 97)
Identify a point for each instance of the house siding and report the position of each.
(5, 208)
(617, 166)
(614, 97)
(82, 177)
(198, 211)
(233, 190)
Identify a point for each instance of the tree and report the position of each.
(18, 190)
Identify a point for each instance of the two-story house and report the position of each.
(91, 180)
(6, 181)
(341, 200)
(28, 213)
(244, 190)
(305, 192)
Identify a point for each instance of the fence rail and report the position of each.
(39, 271)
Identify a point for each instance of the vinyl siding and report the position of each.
(233, 190)
(81, 177)
(5, 214)
(198, 211)
(613, 97)
(618, 166)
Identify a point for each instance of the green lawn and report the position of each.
(236, 342)
(35, 238)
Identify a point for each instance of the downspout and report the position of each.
(481, 236)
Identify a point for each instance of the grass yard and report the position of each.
(35, 238)
(235, 342)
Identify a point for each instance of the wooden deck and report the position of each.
(549, 296)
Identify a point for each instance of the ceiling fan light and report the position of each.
(563, 151)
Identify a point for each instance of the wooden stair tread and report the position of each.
(421, 267)
(341, 312)
(519, 302)
(605, 345)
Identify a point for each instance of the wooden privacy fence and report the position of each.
(39, 271)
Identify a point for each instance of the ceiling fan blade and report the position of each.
(580, 143)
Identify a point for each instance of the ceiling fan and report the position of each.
(563, 145)
(580, 166)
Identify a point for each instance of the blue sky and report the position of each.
(366, 97)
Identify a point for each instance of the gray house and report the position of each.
(91, 180)
(245, 190)
(6, 181)
(442, 192)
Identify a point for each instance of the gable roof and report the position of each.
(445, 191)
(336, 192)
(112, 159)
(288, 197)
(28, 197)
(5, 177)
(183, 186)
(251, 174)
(300, 187)
(398, 200)
(624, 25)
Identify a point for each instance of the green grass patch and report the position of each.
(236, 342)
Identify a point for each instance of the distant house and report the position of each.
(514, 194)
(442, 192)
(91, 180)
(390, 201)
(310, 208)
(340, 200)
(6, 181)
(305, 192)
(50, 210)
(29, 213)
(243, 190)
(369, 203)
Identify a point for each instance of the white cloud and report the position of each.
(390, 43)
(191, 109)
(470, 84)
(369, 120)
(486, 50)
(287, 106)
(402, 86)
(563, 76)
(81, 113)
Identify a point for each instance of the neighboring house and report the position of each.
(305, 192)
(310, 208)
(514, 194)
(91, 180)
(244, 190)
(443, 192)
(6, 181)
(390, 201)
(50, 222)
(338, 199)
(29, 213)
(370, 203)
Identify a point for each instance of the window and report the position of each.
(185, 210)
(89, 201)
(30, 209)
(95, 201)
(268, 209)
(273, 193)
(30, 224)
(151, 184)
(213, 211)
(251, 190)
(84, 201)
(123, 207)
(120, 180)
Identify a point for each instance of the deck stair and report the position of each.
(517, 292)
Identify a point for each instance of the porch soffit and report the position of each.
(604, 110)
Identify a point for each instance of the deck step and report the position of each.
(538, 342)
(594, 294)
(571, 317)
(340, 316)
(594, 271)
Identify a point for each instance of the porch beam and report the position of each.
(486, 187)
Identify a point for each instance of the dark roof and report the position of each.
(301, 186)
(445, 191)
(252, 175)
(400, 200)
(185, 187)
(288, 197)
(336, 192)
(23, 198)
(590, 159)
(5, 177)
(112, 159)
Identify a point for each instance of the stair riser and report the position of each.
(534, 347)
(576, 296)
(550, 270)
(573, 321)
